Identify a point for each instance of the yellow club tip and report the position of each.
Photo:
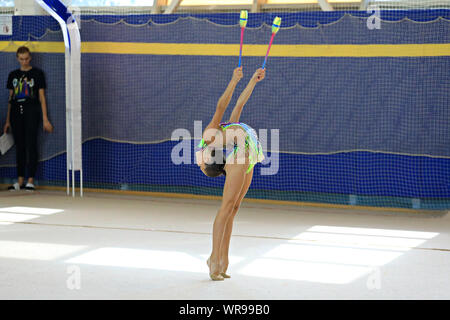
(276, 24)
(243, 18)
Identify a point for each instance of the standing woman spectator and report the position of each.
(26, 106)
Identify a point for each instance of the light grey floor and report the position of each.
(123, 247)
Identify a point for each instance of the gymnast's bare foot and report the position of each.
(213, 273)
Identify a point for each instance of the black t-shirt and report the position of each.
(26, 85)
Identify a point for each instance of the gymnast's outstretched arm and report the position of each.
(224, 100)
(245, 95)
(209, 133)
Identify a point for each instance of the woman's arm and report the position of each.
(209, 134)
(226, 96)
(46, 123)
(223, 102)
(8, 115)
(245, 95)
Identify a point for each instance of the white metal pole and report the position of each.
(70, 30)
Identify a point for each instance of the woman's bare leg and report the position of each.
(233, 185)
(229, 226)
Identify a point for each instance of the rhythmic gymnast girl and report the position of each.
(236, 162)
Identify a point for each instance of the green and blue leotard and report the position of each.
(252, 144)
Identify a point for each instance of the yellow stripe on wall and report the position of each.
(282, 50)
(34, 46)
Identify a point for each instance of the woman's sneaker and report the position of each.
(29, 187)
(14, 187)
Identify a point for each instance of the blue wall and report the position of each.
(376, 127)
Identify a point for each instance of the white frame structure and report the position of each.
(72, 42)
